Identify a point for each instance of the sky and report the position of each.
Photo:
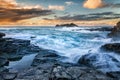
(52, 12)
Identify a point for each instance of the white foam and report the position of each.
(73, 43)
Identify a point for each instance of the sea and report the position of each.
(70, 42)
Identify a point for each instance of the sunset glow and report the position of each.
(40, 12)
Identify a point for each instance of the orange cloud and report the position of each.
(93, 4)
(8, 4)
(11, 11)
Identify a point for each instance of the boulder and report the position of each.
(10, 45)
(2, 35)
(115, 33)
(14, 49)
(3, 61)
(45, 56)
(3, 69)
(115, 74)
(101, 62)
(111, 47)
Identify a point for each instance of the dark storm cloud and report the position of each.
(21, 14)
(10, 10)
(89, 17)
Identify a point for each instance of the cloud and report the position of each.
(69, 3)
(90, 17)
(56, 7)
(12, 15)
(93, 4)
(11, 11)
(115, 5)
(8, 4)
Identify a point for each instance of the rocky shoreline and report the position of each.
(47, 64)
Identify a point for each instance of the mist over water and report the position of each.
(69, 42)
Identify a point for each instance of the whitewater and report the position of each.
(71, 43)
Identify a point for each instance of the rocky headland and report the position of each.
(115, 46)
(115, 33)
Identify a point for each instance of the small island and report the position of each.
(66, 25)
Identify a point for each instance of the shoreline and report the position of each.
(46, 64)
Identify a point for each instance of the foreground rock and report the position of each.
(101, 62)
(111, 47)
(114, 74)
(46, 56)
(3, 61)
(8, 76)
(45, 66)
(17, 47)
(57, 72)
(14, 49)
(115, 33)
(67, 25)
(2, 35)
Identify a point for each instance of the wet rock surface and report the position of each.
(115, 33)
(104, 62)
(114, 74)
(13, 50)
(8, 76)
(46, 56)
(46, 64)
(111, 47)
(2, 35)
(57, 72)
(3, 61)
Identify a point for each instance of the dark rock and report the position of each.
(2, 39)
(3, 69)
(67, 25)
(33, 37)
(102, 62)
(18, 47)
(14, 49)
(52, 72)
(114, 74)
(2, 35)
(33, 49)
(15, 57)
(101, 29)
(45, 56)
(115, 33)
(112, 47)
(13, 45)
(3, 61)
(9, 76)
